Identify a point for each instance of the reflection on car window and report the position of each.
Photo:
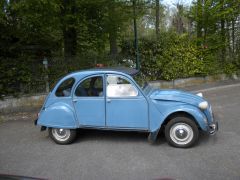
(90, 87)
(120, 87)
(65, 88)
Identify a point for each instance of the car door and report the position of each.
(126, 107)
(89, 101)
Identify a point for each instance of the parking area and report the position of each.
(24, 150)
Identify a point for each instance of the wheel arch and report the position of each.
(153, 136)
(194, 114)
(180, 114)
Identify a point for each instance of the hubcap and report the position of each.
(61, 134)
(181, 133)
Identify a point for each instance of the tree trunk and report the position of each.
(113, 43)
(69, 31)
(223, 49)
(112, 30)
(233, 38)
(199, 20)
(70, 42)
(135, 36)
(157, 17)
(223, 35)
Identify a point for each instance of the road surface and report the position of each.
(126, 155)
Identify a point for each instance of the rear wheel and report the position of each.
(62, 136)
(181, 132)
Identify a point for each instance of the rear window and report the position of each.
(65, 88)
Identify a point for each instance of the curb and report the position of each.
(185, 82)
(218, 87)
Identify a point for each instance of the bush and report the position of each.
(168, 57)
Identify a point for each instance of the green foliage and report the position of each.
(216, 27)
(168, 57)
(13, 75)
(230, 69)
(37, 22)
(78, 34)
(180, 61)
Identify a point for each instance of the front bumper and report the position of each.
(213, 128)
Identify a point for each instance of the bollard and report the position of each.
(45, 63)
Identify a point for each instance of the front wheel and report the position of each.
(62, 136)
(181, 132)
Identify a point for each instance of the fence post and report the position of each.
(45, 63)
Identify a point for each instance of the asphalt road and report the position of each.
(120, 155)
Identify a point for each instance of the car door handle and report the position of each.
(108, 100)
(74, 100)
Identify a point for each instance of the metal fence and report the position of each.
(43, 73)
(34, 75)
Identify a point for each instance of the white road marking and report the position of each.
(219, 87)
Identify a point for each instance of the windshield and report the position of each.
(142, 81)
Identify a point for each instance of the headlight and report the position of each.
(203, 105)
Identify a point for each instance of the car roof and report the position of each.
(77, 75)
(129, 71)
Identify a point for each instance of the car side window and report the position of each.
(120, 87)
(65, 88)
(90, 87)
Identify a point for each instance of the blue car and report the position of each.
(110, 99)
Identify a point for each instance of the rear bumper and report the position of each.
(43, 128)
(35, 122)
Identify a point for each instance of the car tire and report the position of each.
(62, 136)
(181, 132)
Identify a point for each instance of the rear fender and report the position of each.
(58, 115)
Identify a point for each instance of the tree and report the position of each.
(157, 17)
(68, 20)
(112, 28)
(215, 25)
(178, 19)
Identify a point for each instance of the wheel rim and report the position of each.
(181, 133)
(61, 134)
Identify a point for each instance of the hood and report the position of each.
(176, 95)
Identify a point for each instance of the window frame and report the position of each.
(85, 78)
(60, 83)
(126, 79)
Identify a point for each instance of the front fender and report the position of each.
(58, 115)
(168, 108)
(195, 112)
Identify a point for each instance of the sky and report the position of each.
(171, 3)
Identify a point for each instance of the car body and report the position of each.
(110, 99)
